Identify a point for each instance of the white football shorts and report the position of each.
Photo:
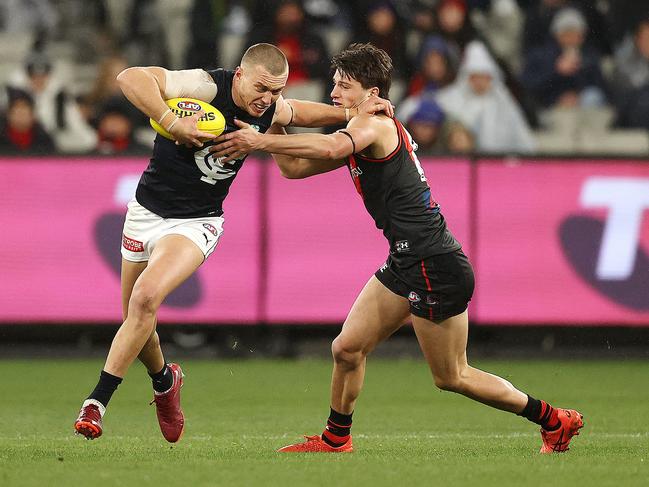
(143, 229)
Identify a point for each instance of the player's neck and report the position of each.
(236, 97)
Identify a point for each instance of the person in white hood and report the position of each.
(480, 100)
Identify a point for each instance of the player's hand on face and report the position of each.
(237, 144)
(184, 131)
(374, 105)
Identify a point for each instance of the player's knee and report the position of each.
(346, 353)
(451, 382)
(144, 301)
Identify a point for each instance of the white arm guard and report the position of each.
(189, 83)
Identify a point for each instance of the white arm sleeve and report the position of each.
(189, 83)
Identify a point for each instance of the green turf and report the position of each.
(405, 431)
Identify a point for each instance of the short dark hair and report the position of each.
(367, 64)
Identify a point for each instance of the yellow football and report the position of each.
(211, 122)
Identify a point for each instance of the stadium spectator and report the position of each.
(459, 139)
(431, 129)
(115, 130)
(632, 78)
(454, 25)
(623, 17)
(145, 40)
(423, 16)
(565, 72)
(206, 18)
(305, 49)
(56, 110)
(435, 67)
(20, 133)
(36, 17)
(481, 102)
(424, 123)
(382, 27)
(540, 15)
(500, 23)
(106, 93)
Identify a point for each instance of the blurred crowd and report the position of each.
(487, 76)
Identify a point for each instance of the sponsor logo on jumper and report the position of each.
(402, 246)
(432, 300)
(608, 254)
(383, 267)
(211, 228)
(356, 172)
(132, 244)
(413, 297)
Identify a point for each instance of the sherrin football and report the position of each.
(211, 122)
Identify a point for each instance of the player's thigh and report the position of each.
(173, 260)
(443, 344)
(130, 273)
(375, 315)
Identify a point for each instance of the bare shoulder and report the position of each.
(379, 123)
(381, 134)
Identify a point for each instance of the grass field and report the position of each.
(405, 431)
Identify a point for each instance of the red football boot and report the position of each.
(88, 423)
(557, 441)
(170, 415)
(315, 444)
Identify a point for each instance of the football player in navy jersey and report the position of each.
(426, 279)
(175, 220)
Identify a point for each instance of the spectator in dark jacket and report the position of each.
(539, 15)
(20, 133)
(454, 25)
(564, 71)
(632, 78)
(435, 67)
(384, 28)
(305, 50)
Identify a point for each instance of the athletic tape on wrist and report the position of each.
(172, 124)
(163, 116)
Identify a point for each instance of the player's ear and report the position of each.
(374, 91)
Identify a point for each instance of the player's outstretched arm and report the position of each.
(292, 167)
(359, 134)
(301, 113)
(148, 87)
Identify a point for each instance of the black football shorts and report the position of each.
(437, 287)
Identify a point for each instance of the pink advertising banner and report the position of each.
(323, 245)
(563, 242)
(552, 242)
(61, 223)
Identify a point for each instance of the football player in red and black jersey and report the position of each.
(426, 278)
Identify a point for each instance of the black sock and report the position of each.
(540, 412)
(163, 380)
(338, 428)
(105, 387)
